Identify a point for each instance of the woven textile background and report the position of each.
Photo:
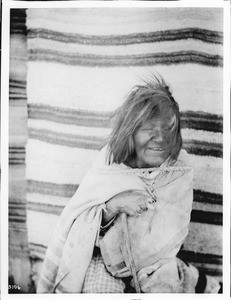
(81, 65)
(19, 258)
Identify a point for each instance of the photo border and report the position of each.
(6, 6)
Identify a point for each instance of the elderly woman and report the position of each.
(123, 228)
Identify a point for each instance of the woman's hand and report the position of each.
(133, 203)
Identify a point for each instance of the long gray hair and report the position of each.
(152, 99)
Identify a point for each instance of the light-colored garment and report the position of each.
(157, 234)
(175, 276)
(70, 252)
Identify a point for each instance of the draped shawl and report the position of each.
(70, 251)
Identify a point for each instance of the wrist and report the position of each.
(110, 211)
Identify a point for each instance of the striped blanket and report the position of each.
(19, 260)
(82, 63)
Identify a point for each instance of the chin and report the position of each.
(153, 161)
(156, 162)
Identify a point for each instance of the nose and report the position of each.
(157, 137)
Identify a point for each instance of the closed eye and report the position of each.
(147, 129)
(151, 132)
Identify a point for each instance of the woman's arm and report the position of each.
(130, 202)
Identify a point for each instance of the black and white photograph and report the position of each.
(116, 148)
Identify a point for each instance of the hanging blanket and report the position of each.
(82, 62)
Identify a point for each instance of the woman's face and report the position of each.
(151, 147)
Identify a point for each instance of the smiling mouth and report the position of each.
(156, 149)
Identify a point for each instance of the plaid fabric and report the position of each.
(99, 280)
(188, 279)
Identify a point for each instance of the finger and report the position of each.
(139, 210)
(137, 214)
(151, 200)
(147, 206)
(150, 206)
(144, 207)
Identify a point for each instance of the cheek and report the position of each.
(141, 139)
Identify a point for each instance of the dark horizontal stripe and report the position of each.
(17, 92)
(54, 189)
(17, 83)
(17, 219)
(214, 218)
(38, 248)
(17, 97)
(202, 121)
(18, 28)
(17, 162)
(197, 216)
(211, 272)
(68, 140)
(16, 205)
(96, 143)
(14, 200)
(206, 197)
(203, 152)
(46, 208)
(17, 210)
(17, 88)
(204, 258)
(209, 268)
(17, 155)
(68, 190)
(18, 21)
(203, 115)
(194, 120)
(203, 148)
(68, 116)
(215, 271)
(16, 149)
(18, 14)
(125, 60)
(128, 39)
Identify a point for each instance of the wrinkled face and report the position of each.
(151, 146)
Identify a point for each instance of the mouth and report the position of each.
(156, 149)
